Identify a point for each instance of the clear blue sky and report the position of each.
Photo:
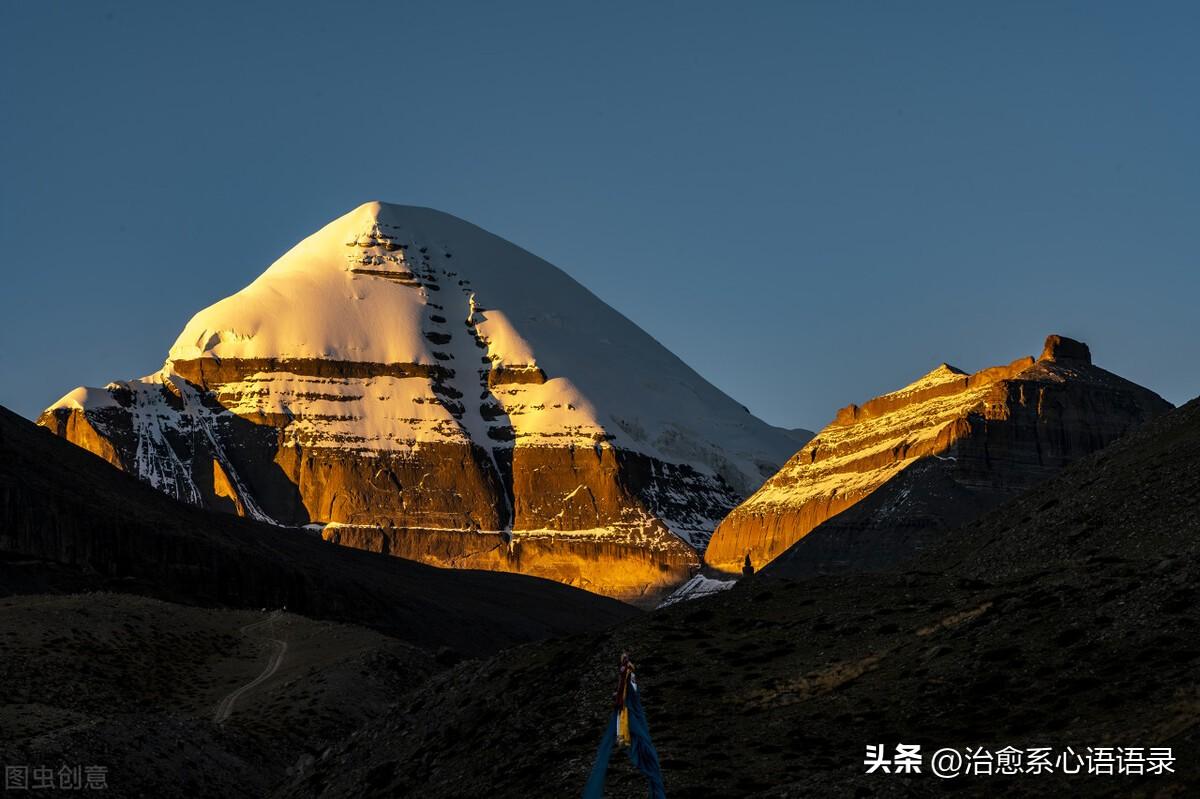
(810, 203)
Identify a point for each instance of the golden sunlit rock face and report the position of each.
(634, 572)
(974, 438)
(578, 515)
(223, 488)
(76, 428)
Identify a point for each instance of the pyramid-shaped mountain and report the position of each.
(406, 382)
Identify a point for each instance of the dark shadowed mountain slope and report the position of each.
(69, 521)
(1066, 617)
(1136, 500)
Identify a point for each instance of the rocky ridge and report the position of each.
(876, 484)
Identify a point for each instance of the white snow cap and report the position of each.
(360, 290)
(85, 398)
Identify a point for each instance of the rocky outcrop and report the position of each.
(414, 385)
(877, 484)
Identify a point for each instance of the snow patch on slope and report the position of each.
(697, 588)
(83, 398)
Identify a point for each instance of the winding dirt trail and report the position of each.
(278, 647)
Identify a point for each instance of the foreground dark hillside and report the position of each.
(134, 685)
(70, 522)
(1065, 618)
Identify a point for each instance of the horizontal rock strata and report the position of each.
(938, 451)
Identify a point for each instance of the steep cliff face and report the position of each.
(416, 385)
(882, 477)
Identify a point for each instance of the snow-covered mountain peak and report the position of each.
(334, 294)
(408, 288)
(401, 368)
